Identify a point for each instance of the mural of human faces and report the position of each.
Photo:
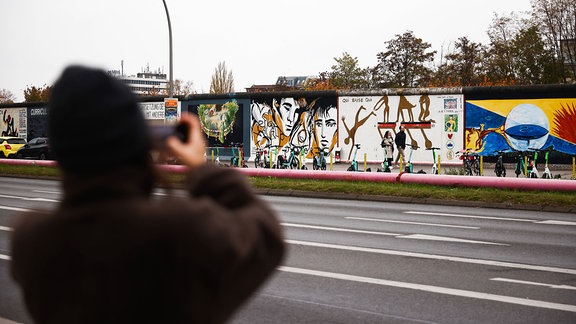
(286, 110)
(325, 127)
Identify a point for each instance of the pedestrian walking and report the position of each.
(400, 141)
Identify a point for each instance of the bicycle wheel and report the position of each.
(476, 168)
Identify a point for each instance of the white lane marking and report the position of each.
(411, 223)
(469, 216)
(434, 289)
(338, 229)
(5, 257)
(29, 199)
(445, 239)
(534, 283)
(396, 235)
(435, 257)
(15, 208)
(556, 222)
(48, 191)
(547, 222)
(4, 228)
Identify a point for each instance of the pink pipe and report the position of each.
(29, 162)
(493, 182)
(439, 179)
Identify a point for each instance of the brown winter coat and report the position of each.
(112, 253)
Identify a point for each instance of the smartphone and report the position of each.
(160, 133)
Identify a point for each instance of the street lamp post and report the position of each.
(170, 40)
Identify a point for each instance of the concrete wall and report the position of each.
(486, 119)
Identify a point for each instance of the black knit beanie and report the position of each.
(94, 122)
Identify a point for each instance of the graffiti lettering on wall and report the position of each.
(521, 125)
(285, 123)
(153, 110)
(37, 122)
(364, 120)
(221, 122)
(14, 122)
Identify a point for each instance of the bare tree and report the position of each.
(182, 88)
(222, 80)
(6, 96)
(557, 19)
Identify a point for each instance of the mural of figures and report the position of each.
(364, 120)
(324, 128)
(521, 125)
(14, 122)
(287, 122)
(360, 118)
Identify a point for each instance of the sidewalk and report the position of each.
(563, 170)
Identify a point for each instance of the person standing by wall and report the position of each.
(400, 141)
(388, 145)
(110, 252)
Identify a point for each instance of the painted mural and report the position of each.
(14, 122)
(222, 122)
(285, 123)
(521, 125)
(430, 121)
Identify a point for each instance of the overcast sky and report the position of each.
(258, 39)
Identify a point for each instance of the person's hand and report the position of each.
(191, 153)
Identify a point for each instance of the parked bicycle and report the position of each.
(289, 158)
(262, 159)
(471, 162)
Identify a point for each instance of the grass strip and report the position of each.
(482, 194)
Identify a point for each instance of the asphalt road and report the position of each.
(374, 262)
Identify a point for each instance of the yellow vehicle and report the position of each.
(9, 146)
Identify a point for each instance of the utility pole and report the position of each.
(170, 40)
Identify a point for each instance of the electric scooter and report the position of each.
(319, 161)
(354, 164)
(237, 160)
(519, 164)
(533, 166)
(408, 168)
(217, 159)
(499, 168)
(434, 164)
(546, 174)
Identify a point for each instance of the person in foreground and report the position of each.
(109, 252)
